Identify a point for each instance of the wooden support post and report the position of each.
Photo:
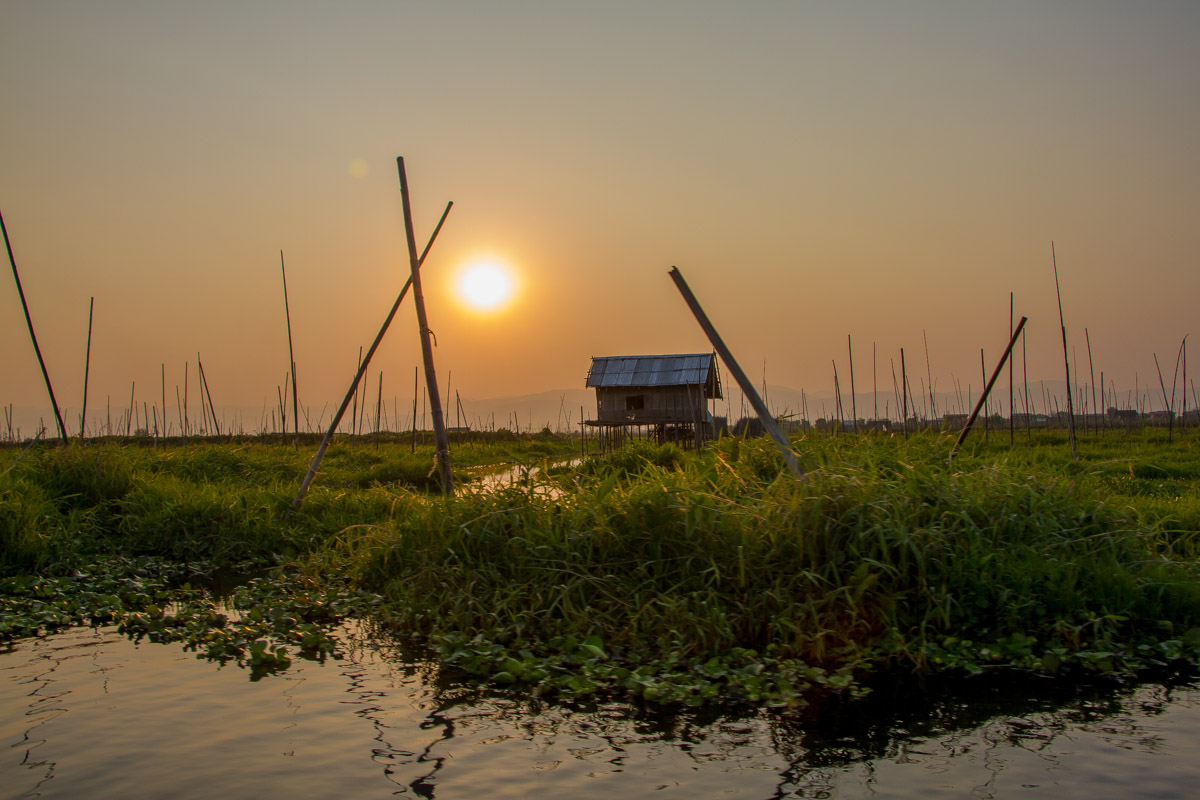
(760, 408)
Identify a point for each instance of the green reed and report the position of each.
(675, 575)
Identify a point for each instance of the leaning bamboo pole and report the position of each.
(988, 388)
(291, 354)
(1092, 374)
(87, 362)
(1012, 431)
(337, 418)
(853, 403)
(204, 384)
(1167, 404)
(1066, 363)
(435, 399)
(929, 375)
(62, 429)
(760, 408)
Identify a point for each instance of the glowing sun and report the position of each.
(485, 285)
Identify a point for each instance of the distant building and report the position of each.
(661, 396)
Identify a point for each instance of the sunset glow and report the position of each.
(823, 175)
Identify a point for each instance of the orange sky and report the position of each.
(814, 171)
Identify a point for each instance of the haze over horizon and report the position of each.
(815, 171)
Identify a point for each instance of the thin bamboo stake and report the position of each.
(291, 354)
(354, 407)
(853, 404)
(896, 392)
(129, 419)
(378, 408)
(929, 375)
(904, 388)
(62, 429)
(1167, 404)
(1092, 374)
(1012, 432)
(186, 424)
(282, 414)
(1175, 379)
(983, 372)
(337, 418)
(874, 387)
(163, 373)
(413, 447)
(87, 362)
(1066, 363)
(1025, 377)
(988, 388)
(1183, 421)
(789, 456)
(837, 403)
(204, 383)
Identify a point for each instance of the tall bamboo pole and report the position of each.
(983, 372)
(291, 355)
(1168, 404)
(87, 362)
(129, 419)
(435, 399)
(760, 408)
(875, 387)
(853, 404)
(378, 408)
(1092, 373)
(163, 374)
(62, 429)
(1066, 363)
(1012, 432)
(337, 418)
(837, 403)
(1025, 377)
(204, 384)
(354, 408)
(929, 376)
(416, 376)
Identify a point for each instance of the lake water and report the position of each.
(89, 714)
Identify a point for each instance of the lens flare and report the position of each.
(485, 285)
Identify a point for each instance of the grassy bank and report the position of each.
(674, 576)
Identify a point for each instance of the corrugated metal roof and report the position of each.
(668, 370)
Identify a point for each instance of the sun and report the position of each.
(485, 285)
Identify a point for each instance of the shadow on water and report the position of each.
(381, 719)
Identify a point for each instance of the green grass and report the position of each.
(678, 576)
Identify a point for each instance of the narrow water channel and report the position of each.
(88, 713)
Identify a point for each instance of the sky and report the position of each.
(817, 171)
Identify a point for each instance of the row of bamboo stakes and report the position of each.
(431, 390)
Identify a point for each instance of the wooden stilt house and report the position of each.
(665, 397)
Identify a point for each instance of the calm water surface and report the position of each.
(89, 714)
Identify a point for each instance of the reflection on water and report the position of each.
(88, 713)
(528, 478)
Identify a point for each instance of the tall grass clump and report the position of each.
(882, 557)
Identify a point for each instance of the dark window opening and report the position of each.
(635, 402)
